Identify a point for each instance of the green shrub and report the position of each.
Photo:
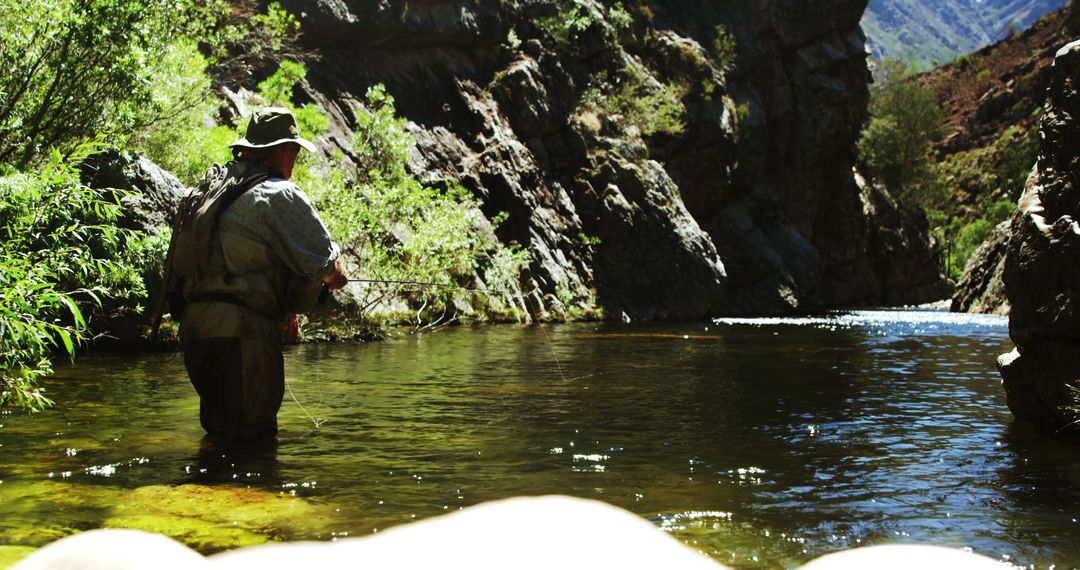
(636, 102)
(565, 28)
(401, 229)
(619, 17)
(397, 228)
(60, 253)
(969, 238)
(179, 138)
(78, 69)
(180, 142)
(895, 144)
(724, 48)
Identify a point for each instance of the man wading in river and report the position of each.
(248, 252)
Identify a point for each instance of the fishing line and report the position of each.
(317, 421)
(551, 347)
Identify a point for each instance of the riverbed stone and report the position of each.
(534, 532)
(214, 518)
(11, 554)
(1041, 273)
(25, 499)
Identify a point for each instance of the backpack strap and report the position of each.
(216, 175)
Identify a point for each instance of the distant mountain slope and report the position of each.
(926, 33)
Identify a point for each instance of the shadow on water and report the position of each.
(222, 462)
(762, 442)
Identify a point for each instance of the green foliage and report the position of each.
(60, 251)
(980, 188)
(380, 142)
(76, 69)
(183, 138)
(513, 42)
(180, 141)
(996, 171)
(969, 237)
(742, 113)
(239, 33)
(619, 17)
(649, 107)
(894, 147)
(588, 240)
(278, 88)
(724, 48)
(274, 29)
(574, 17)
(400, 229)
(565, 28)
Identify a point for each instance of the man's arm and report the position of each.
(337, 278)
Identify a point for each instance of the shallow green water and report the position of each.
(764, 443)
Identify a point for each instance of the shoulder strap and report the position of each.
(235, 191)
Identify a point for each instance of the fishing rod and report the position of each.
(419, 284)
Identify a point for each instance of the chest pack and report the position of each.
(195, 247)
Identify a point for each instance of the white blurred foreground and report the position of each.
(540, 532)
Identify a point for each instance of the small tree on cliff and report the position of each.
(895, 146)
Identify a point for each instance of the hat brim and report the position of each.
(308, 145)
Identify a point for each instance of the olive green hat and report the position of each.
(272, 126)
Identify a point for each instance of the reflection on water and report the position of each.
(762, 442)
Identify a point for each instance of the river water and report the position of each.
(763, 443)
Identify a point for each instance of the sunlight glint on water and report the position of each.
(762, 442)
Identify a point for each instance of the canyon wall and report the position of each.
(1041, 275)
(752, 208)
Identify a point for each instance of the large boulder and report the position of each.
(1041, 274)
(153, 194)
(981, 288)
(900, 254)
(151, 197)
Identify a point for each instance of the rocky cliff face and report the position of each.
(1041, 275)
(795, 229)
(992, 100)
(753, 208)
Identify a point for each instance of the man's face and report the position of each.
(285, 158)
(291, 152)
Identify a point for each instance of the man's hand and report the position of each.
(336, 279)
(290, 328)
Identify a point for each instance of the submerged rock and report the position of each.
(537, 532)
(1041, 273)
(215, 518)
(11, 554)
(207, 518)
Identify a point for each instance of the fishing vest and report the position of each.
(208, 266)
